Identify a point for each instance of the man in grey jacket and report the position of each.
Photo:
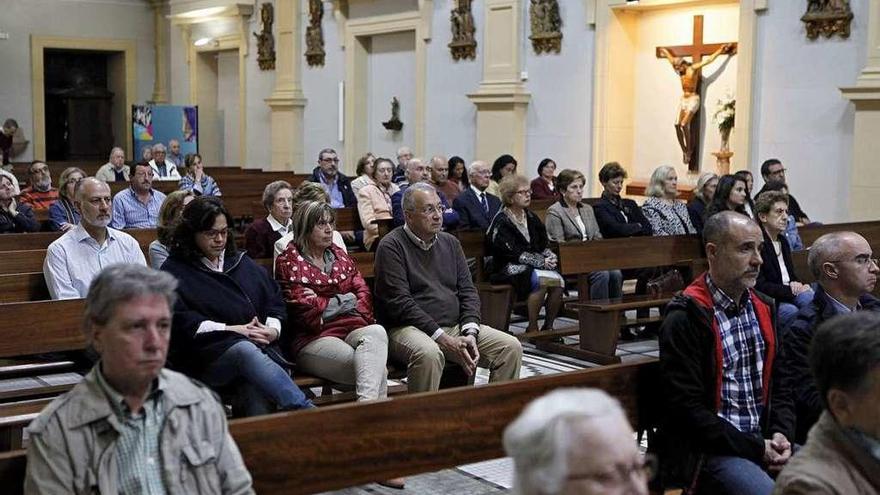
(132, 426)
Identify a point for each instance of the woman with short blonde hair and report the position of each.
(668, 215)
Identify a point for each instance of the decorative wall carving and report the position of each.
(265, 40)
(315, 35)
(394, 123)
(546, 26)
(463, 44)
(827, 18)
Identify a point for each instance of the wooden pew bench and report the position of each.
(409, 435)
(41, 240)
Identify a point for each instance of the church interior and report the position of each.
(267, 87)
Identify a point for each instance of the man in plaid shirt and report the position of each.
(717, 351)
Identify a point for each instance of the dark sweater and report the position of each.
(425, 289)
(243, 290)
(23, 222)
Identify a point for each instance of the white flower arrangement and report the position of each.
(725, 112)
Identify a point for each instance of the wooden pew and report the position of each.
(599, 321)
(408, 435)
(41, 240)
(23, 287)
(868, 230)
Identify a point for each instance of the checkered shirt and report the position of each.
(138, 458)
(742, 351)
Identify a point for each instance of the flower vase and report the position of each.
(725, 139)
(722, 167)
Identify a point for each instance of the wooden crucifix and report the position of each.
(689, 135)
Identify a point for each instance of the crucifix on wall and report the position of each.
(687, 123)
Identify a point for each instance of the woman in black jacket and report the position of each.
(228, 315)
(517, 243)
(618, 217)
(777, 278)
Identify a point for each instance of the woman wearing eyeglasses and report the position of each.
(517, 243)
(336, 336)
(777, 278)
(228, 316)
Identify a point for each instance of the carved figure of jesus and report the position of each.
(690, 98)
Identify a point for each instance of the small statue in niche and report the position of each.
(546, 26)
(827, 18)
(265, 40)
(463, 44)
(394, 123)
(315, 35)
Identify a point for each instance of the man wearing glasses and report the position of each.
(774, 170)
(78, 256)
(846, 271)
(337, 184)
(40, 195)
(138, 206)
(426, 299)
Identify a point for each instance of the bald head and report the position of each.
(843, 264)
(733, 248)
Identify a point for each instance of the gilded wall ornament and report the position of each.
(463, 44)
(546, 26)
(315, 35)
(827, 18)
(265, 40)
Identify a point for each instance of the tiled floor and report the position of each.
(495, 476)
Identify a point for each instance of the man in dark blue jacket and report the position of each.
(337, 184)
(474, 205)
(846, 271)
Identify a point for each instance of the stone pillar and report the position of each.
(501, 99)
(160, 45)
(287, 101)
(864, 187)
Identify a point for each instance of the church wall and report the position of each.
(560, 111)
(121, 19)
(801, 117)
(392, 64)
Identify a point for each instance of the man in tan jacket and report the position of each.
(132, 426)
(842, 453)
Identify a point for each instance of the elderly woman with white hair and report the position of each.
(163, 168)
(575, 441)
(703, 195)
(262, 234)
(667, 215)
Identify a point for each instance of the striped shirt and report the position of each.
(742, 351)
(130, 213)
(138, 456)
(39, 200)
(205, 187)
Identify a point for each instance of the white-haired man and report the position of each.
(575, 441)
(163, 168)
(115, 170)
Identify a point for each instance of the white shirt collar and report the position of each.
(477, 191)
(276, 225)
(219, 267)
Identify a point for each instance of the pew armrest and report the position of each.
(496, 302)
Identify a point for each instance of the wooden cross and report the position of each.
(695, 51)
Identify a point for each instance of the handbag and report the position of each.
(670, 281)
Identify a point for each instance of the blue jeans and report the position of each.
(263, 387)
(606, 284)
(786, 312)
(734, 476)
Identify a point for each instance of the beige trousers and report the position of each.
(501, 353)
(359, 360)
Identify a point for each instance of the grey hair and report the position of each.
(655, 186)
(326, 150)
(701, 183)
(158, 147)
(539, 439)
(409, 202)
(402, 150)
(119, 284)
(439, 159)
(271, 190)
(824, 249)
(114, 149)
(470, 168)
(80, 186)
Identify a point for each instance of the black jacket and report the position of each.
(697, 210)
(243, 290)
(471, 214)
(512, 257)
(770, 276)
(626, 220)
(794, 208)
(344, 184)
(691, 382)
(797, 417)
(23, 222)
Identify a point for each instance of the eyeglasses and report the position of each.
(431, 210)
(143, 174)
(644, 469)
(330, 160)
(524, 192)
(862, 260)
(212, 234)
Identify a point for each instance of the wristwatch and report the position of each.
(471, 331)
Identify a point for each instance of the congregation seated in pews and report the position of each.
(318, 315)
